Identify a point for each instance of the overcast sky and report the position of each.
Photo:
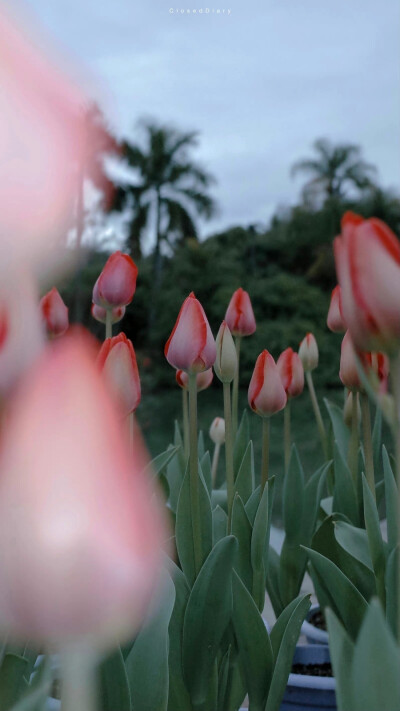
(260, 83)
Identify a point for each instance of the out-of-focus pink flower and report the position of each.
(367, 258)
(100, 313)
(203, 380)
(292, 372)
(266, 392)
(41, 144)
(308, 352)
(377, 366)
(348, 372)
(54, 313)
(117, 360)
(80, 533)
(191, 346)
(116, 284)
(335, 320)
(239, 314)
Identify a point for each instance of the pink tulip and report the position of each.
(308, 352)
(117, 360)
(239, 314)
(116, 284)
(377, 365)
(348, 372)
(80, 533)
(100, 313)
(266, 392)
(291, 371)
(367, 258)
(335, 320)
(203, 380)
(54, 313)
(191, 346)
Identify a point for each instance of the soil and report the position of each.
(313, 669)
(318, 620)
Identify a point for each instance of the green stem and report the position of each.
(230, 477)
(286, 434)
(395, 380)
(185, 413)
(108, 323)
(265, 453)
(317, 413)
(235, 388)
(367, 439)
(194, 474)
(78, 681)
(214, 466)
(352, 455)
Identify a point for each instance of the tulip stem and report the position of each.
(367, 439)
(230, 477)
(78, 680)
(235, 388)
(108, 323)
(395, 380)
(352, 456)
(317, 413)
(215, 461)
(185, 414)
(194, 474)
(286, 434)
(265, 453)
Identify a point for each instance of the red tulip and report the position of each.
(348, 372)
(367, 258)
(116, 284)
(239, 314)
(80, 533)
(100, 313)
(266, 392)
(335, 320)
(377, 365)
(54, 313)
(203, 380)
(308, 352)
(292, 372)
(191, 346)
(117, 360)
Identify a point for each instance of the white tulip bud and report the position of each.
(308, 352)
(217, 430)
(226, 361)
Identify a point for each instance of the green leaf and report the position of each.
(220, 524)
(252, 504)
(175, 474)
(312, 500)
(259, 543)
(278, 630)
(147, 663)
(391, 496)
(392, 589)
(219, 498)
(342, 651)
(354, 541)
(184, 526)
(272, 581)
(293, 499)
(375, 541)
(293, 563)
(223, 676)
(178, 697)
(207, 616)
(340, 431)
(200, 445)
(344, 496)
(241, 442)
(377, 438)
(12, 673)
(113, 686)
(156, 466)
(205, 465)
(255, 649)
(35, 697)
(244, 483)
(241, 528)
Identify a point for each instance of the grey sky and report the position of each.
(259, 84)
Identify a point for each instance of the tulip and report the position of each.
(225, 365)
(291, 371)
(239, 314)
(100, 313)
(80, 533)
(117, 361)
(116, 284)
(203, 380)
(54, 313)
(367, 256)
(191, 346)
(308, 352)
(348, 365)
(335, 320)
(217, 430)
(377, 366)
(266, 392)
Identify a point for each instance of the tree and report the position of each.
(335, 169)
(170, 189)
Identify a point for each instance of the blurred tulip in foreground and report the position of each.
(217, 430)
(116, 284)
(191, 346)
(266, 393)
(54, 313)
(292, 372)
(348, 372)
(226, 361)
(117, 361)
(239, 314)
(335, 320)
(308, 352)
(203, 380)
(100, 313)
(80, 534)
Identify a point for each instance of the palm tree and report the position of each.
(170, 189)
(334, 170)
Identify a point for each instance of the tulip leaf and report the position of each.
(244, 483)
(341, 433)
(175, 476)
(241, 528)
(200, 445)
(345, 495)
(312, 500)
(292, 567)
(184, 526)
(220, 524)
(207, 616)
(272, 581)
(278, 630)
(158, 464)
(391, 496)
(259, 546)
(375, 542)
(293, 499)
(354, 541)
(342, 651)
(255, 651)
(223, 676)
(284, 657)
(205, 466)
(392, 589)
(219, 498)
(113, 686)
(241, 442)
(377, 438)
(12, 676)
(178, 697)
(147, 663)
(37, 693)
(252, 504)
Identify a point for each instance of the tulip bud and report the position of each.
(217, 430)
(203, 380)
(117, 360)
(308, 352)
(348, 365)
(291, 371)
(54, 313)
(239, 314)
(266, 392)
(80, 534)
(348, 410)
(191, 346)
(116, 284)
(226, 361)
(335, 320)
(100, 313)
